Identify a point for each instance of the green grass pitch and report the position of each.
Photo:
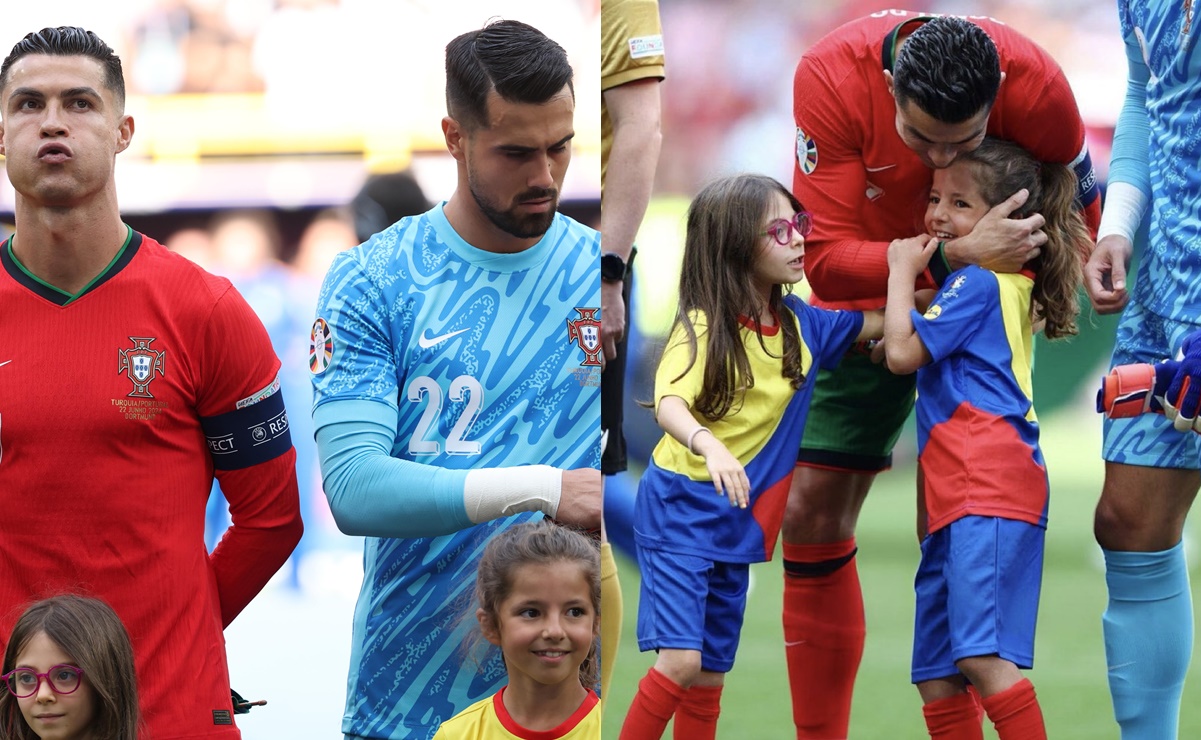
(1069, 673)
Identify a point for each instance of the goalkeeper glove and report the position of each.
(1183, 398)
(1130, 390)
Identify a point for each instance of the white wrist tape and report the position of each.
(1124, 206)
(491, 493)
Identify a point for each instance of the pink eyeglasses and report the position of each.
(781, 229)
(24, 682)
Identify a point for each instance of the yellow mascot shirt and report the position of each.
(487, 719)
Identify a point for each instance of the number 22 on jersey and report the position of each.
(463, 388)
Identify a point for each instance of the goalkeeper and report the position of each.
(1151, 469)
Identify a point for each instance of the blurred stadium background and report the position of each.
(257, 121)
(728, 108)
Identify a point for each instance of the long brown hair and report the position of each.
(89, 631)
(1002, 168)
(725, 224)
(538, 543)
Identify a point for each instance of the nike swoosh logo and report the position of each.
(2, 364)
(425, 342)
(1121, 665)
(788, 644)
(880, 169)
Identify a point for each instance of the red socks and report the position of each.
(696, 717)
(975, 694)
(1015, 713)
(824, 630)
(654, 704)
(954, 718)
(658, 698)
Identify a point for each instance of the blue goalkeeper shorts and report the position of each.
(977, 592)
(1149, 440)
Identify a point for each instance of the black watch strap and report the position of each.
(613, 267)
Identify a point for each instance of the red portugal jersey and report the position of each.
(865, 187)
(116, 406)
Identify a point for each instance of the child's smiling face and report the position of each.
(545, 627)
(955, 203)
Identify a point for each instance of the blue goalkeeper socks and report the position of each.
(1148, 628)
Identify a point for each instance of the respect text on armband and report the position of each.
(249, 435)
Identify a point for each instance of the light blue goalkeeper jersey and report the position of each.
(1159, 36)
(489, 360)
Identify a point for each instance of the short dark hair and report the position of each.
(65, 41)
(384, 199)
(950, 68)
(515, 59)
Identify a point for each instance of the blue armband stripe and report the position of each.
(250, 435)
(1087, 187)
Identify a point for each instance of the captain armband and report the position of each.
(1087, 187)
(254, 433)
(492, 493)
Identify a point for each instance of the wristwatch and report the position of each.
(613, 267)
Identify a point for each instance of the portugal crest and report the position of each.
(140, 365)
(585, 331)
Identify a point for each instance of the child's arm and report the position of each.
(907, 258)
(873, 326)
(727, 473)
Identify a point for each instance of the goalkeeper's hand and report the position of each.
(1130, 390)
(1183, 397)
